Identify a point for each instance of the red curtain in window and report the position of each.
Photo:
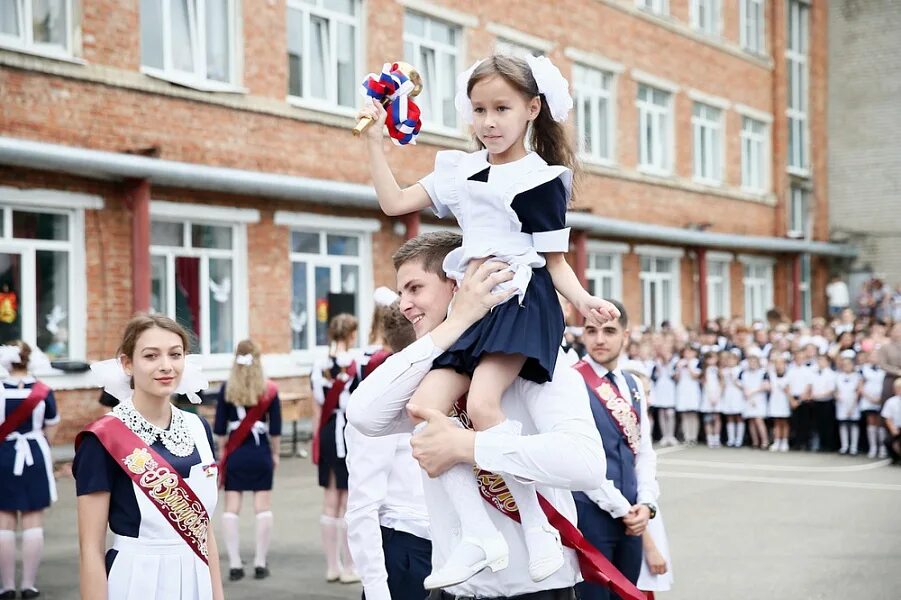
(187, 292)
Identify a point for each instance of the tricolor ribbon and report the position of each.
(403, 120)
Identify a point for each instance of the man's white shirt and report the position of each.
(560, 450)
(385, 490)
(608, 497)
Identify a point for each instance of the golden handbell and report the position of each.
(413, 75)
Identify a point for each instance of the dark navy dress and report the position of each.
(534, 327)
(249, 467)
(34, 488)
(332, 447)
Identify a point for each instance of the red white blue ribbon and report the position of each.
(403, 120)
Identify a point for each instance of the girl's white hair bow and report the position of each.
(244, 359)
(110, 375)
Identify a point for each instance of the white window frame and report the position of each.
(358, 22)
(658, 159)
(723, 296)
(657, 7)
(25, 42)
(757, 287)
(707, 132)
(360, 228)
(796, 55)
(707, 16)
(752, 26)
(755, 155)
(799, 221)
(597, 275)
(655, 278)
(437, 90)
(198, 214)
(515, 42)
(593, 96)
(73, 205)
(198, 79)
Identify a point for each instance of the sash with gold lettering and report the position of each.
(595, 567)
(159, 481)
(240, 434)
(620, 409)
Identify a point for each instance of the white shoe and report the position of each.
(349, 577)
(883, 452)
(775, 447)
(872, 452)
(493, 554)
(545, 552)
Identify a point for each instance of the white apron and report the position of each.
(159, 564)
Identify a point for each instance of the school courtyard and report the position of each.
(742, 524)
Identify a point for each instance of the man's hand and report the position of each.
(442, 443)
(636, 521)
(475, 297)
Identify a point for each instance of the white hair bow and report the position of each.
(112, 377)
(553, 85)
(244, 359)
(9, 356)
(384, 296)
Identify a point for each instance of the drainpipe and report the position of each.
(796, 287)
(411, 224)
(137, 198)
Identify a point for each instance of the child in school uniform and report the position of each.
(712, 390)
(800, 385)
(755, 383)
(779, 405)
(733, 398)
(871, 402)
(823, 392)
(848, 383)
(688, 394)
(663, 396)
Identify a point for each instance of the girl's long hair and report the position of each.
(548, 138)
(246, 382)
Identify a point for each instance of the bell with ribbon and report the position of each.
(394, 88)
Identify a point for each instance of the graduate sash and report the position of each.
(332, 399)
(157, 479)
(594, 566)
(621, 410)
(375, 361)
(39, 391)
(240, 434)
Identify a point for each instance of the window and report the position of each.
(659, 290)
(324, 44)
(654, 129)
(758, 283)
(753, 26)
(509, 48)
(754, 155)
(806, 306)
(191, 42)
(798, 86)
(194, 279)
(45, 26)
(661, 7)
(592, 92)
(718, 298)
(37, 279)
(798, 213)
(707, 126)
(434, 47)
(326, 267)
(705, 16)
(604, 274)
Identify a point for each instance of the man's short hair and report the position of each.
(623, 315)
(430, 249)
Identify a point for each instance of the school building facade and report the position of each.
(193, 157)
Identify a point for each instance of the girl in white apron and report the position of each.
(733, 398)
(848, 384)
(663, 397)
(149, 559)
(755, 383)
(711, 399)
(779, 406)
(688, 394)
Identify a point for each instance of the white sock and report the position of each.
(32, 551)
(671, 424)
(347, 561)
(232, 539)
(7, 559)
(855, 436)
(264, 536)
(328, 528)
(843, 435)
(871, 438)
(730, 433)
(739, 433)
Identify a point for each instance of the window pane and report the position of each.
(295, 52)
(52, 293)
(449, 68)
(165, 233)
(307, 243)
(218, 61)
(414, 24)
(592, 287)
(49, 22)
(187, 296)
(342, 6)
(9, 20)
(182, 35)
(211, 236)
(606, 287)
(603, 261)
(159, 285)
(323, 277)
(441, 32)
(10, 297)
(319, 52)
(343, 245)
(152, 33)
(350, 284)
(347, 82)
(300, 318)
(40, 226)
(221, 305)
(645, 264)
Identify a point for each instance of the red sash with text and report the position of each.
(374, 363)
(39, 391)
(240, 434)
(157, 479)
(594, 566)
(332, 398)
(620, 409)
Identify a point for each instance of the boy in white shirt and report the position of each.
(823, 392)
(800, 384)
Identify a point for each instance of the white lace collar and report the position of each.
(176, 439)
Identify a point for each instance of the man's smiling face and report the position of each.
(424, 296)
